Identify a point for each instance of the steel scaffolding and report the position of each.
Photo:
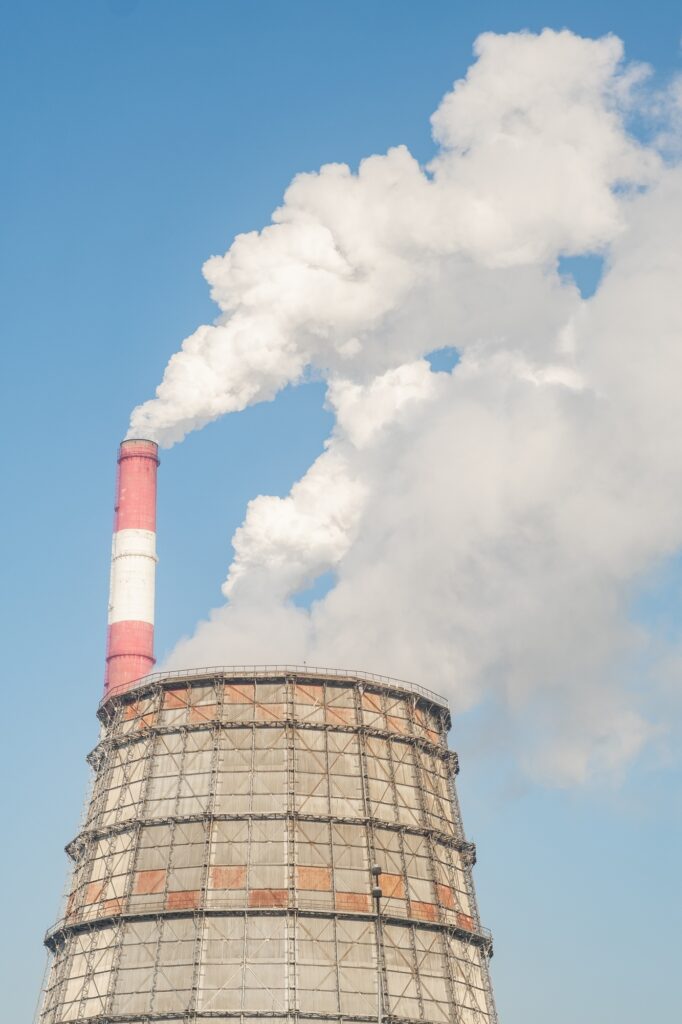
(223, 869)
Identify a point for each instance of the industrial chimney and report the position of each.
(130, 637)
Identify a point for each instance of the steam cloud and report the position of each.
(485, 526)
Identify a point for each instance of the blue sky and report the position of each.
(139, 138)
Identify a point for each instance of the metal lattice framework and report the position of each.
(223, 869)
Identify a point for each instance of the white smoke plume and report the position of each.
(486, 527)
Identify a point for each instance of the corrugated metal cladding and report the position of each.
(224, 867)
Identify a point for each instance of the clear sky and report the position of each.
(139, 138)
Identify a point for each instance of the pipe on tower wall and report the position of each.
(130, 635)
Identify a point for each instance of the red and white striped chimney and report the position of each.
(130, 637)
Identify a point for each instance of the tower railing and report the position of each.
(267, 671)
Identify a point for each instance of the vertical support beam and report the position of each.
(150, 754)
(382, 980)
(332, 864)
(208, 823)
(427, 824)
(291, 922)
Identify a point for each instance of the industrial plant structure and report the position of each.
(269, 842)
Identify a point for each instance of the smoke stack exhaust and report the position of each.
(130, 636)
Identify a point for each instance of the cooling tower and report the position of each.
(224, 869)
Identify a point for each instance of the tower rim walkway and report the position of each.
(265, 672)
